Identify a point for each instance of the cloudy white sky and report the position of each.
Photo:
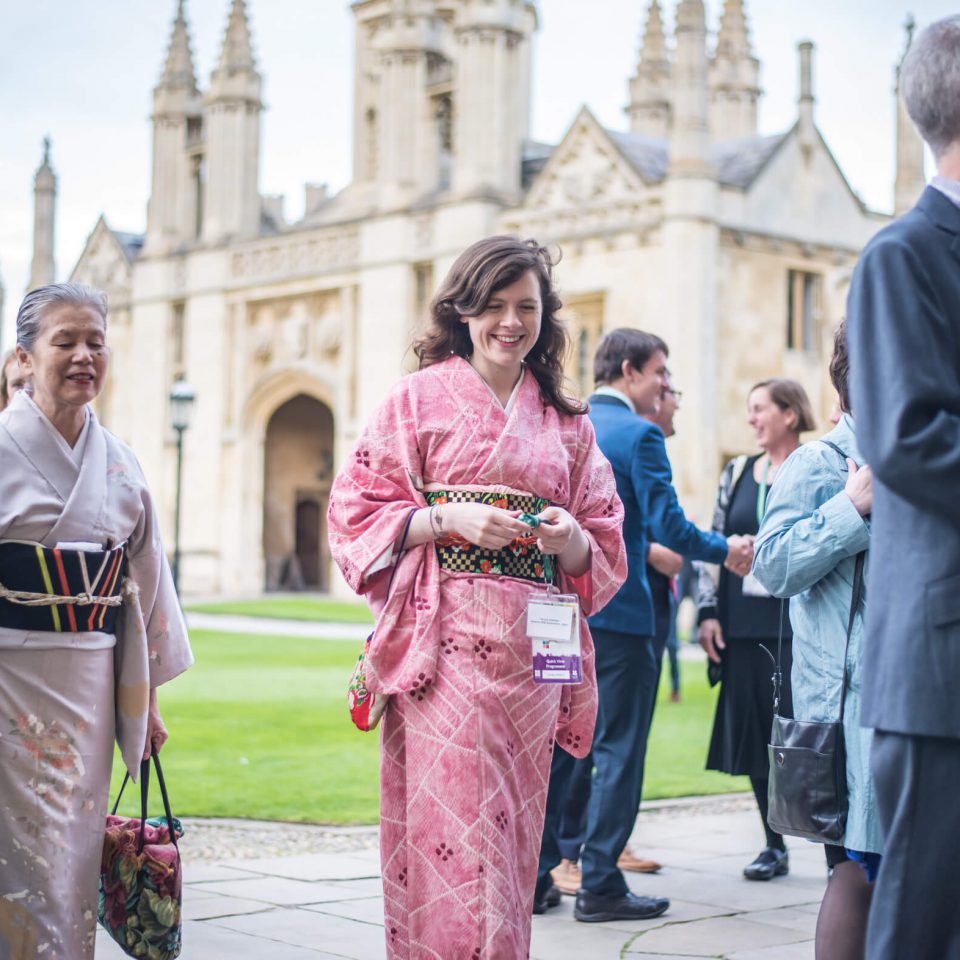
(83, 73)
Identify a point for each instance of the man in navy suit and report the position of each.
(903, 319)
(630, 371)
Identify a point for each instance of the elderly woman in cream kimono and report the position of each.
(90, 625)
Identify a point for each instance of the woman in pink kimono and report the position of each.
(90, 625)
(482, 435)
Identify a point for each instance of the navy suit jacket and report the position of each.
(637, 452)
(904, 330)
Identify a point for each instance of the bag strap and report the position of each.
(144, 792)
(854, 606)
(403, 543)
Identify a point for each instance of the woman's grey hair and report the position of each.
(930, 83)
(37, 302)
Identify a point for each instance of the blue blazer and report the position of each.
(637, 452)
(904, 329)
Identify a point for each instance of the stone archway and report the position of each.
(298, 471)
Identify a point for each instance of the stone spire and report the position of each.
(689, 134)
(178, 72)
(734, 77)
(232, 125)
(910, 179)
(42, 268)
(236, 55)
(176, 105)
(649, 107)
(806, 128)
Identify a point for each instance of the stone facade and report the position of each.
(736, 248)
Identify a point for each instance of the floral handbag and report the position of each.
(140, 877)
(366, 707)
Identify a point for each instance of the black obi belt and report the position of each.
(60, 591)
(521, 558)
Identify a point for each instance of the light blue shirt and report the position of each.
(806, 549)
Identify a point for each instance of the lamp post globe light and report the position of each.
(181, 406)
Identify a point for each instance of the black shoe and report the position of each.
(551, 898)
(770, 863)
(595, 908)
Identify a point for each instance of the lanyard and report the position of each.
(762, 494)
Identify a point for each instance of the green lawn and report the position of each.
(301, 607)
(259, 729)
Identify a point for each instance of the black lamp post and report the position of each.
(181, 404)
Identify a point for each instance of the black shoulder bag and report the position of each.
(808, 767)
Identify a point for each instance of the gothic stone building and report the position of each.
(736, 248)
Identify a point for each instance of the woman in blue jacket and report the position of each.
(815, 525)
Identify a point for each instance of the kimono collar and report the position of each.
(81, 485)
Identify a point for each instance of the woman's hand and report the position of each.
(156, 730)
(560, 535)
(859, 488)
(486, 526)
(710, 636)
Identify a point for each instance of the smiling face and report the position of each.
(645, 386)
(507, 329)
(771, 425)
(68, 362)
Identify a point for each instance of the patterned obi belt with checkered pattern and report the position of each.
(521, 559)
(60, 590)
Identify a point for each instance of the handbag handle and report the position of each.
(403, 543)
(144, 791)
(855, 597)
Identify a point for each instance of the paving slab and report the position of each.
(703, 938)
(312, 866)
(305, 928)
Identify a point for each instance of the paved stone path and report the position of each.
(258, 891)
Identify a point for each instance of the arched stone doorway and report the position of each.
(298, 471)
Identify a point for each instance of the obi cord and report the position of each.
(60, 590)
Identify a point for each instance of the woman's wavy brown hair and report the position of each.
(477, 274)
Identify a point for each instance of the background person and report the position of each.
(480, 434)
(737, 616)
(76, 516)
(11, 378)
(662, 566)
(629, 370)
(903, 317)
(815, 526)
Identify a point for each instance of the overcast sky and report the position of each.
(83, 73)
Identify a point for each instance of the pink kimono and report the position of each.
(468, 736)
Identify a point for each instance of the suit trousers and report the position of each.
(914, 910)
(628, 668)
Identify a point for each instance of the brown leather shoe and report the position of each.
(630, 861)
(566, 877)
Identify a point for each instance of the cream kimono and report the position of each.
(65, 696)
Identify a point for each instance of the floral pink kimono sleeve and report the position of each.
(370, 501)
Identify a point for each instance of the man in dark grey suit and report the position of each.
(904, 328)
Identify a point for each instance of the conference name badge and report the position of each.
(553, 626)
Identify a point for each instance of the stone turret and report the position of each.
(232, 120)
(806, 127)
(734, 78)
(176, 119)
(691, 245)
(492, 90)
(649, 107)
(910, 179)
(42, 267)
(689, 133)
